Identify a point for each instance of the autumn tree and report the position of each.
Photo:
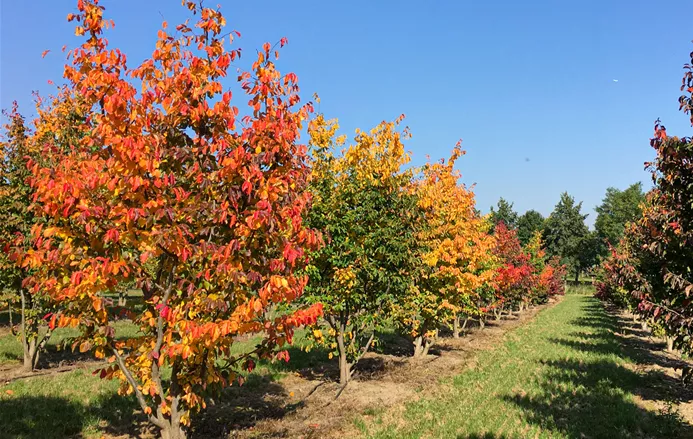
(456, 254)
(547, 276)
(514, 276)
(368, 216)
(16, 221)
(161, 176)
(650, 270)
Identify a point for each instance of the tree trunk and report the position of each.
(456, 328)
(644, 326)
(482, 323)
(670, 344)
(9, 310)
(173, 430)
(418, 346)
(428, 342)
(30, 355)
(577, 276)
(170, 427)
(29, 330)
(497, 313)
(344, 366)
(122, 298)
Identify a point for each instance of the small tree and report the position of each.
(159, 176)
(456, 254)
(515, 277)
(368, 215)
(16, 222)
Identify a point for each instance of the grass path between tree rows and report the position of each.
(566, 374)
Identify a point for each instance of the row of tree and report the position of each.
(649, 271)
(565, 233)
(406, 247)
(149, 178)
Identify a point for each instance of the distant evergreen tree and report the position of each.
(504, 213)
(528, 224)
(566, 235)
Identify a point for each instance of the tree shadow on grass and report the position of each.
(612, 334)
(238, 408)
(40, 417)
(590, 399)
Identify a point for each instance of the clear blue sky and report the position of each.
(516, 80)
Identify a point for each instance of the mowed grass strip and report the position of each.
(563, 375)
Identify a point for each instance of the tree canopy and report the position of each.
(528, 224)
(565, 232)
(618, 208)
(504, 213)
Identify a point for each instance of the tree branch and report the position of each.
(135, 385)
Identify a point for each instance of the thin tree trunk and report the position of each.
(344, 366)
(456, 327)
(122, 298)
(670, 344)
(418, 346)
(577, 276)
(428, 342)
(9, 309)
(482, 323)
(28, 336)
(30, 355)
(173, 428)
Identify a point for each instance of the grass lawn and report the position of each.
(11, 348)
(564, 375)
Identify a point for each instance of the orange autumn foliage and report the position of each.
(457, 253)
(157, 185)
